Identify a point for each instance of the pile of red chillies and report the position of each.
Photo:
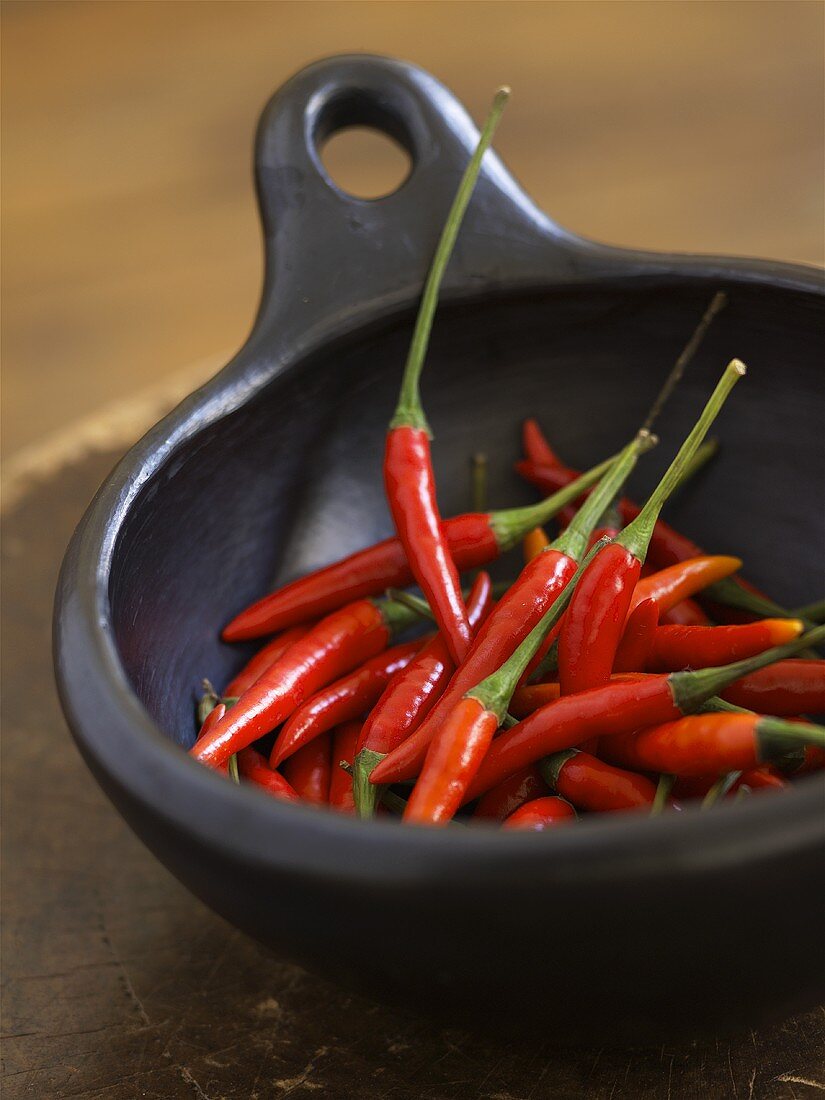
(622, 669)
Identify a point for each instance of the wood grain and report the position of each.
(130, 236)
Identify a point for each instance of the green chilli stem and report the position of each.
(414, 603)
(495, 691)
(717, 304)
(365, 794)
(207, 702)
(730, 592)
(663, 789)
(637, 535)
(398, 615)
(717, 705)
(813, 612)
(510, 525)
(775, 736)
(478, 482)
(232, 767)
(409, 412)
(551, 766)
(548, 666)
(573, 541)
(704, 453)
(719, 789)
(691, 689)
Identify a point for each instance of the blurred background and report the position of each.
(130, 236)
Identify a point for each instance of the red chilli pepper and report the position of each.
(506, 798)
(461, 743)
(408, 473)
(335, 645)
(309, 770)
(710, 744)
(344, 742)
(590, 784)
(634, 648)
(409, 697)
(785, 689)
(533, 543)
(541, 814)
(211, 720)
(535, 445)
(814, 760)
(595, 620)
(686, 613)
(513, 617)
(530, 697)
(622, 706)
(676, 647)
(672, 585)
(341, 701)
(253, 767)
(474, 540)
(263, 659)
(765, 778)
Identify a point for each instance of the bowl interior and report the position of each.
(292, 480)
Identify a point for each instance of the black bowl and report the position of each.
(622, 927)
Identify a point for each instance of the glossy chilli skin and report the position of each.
(590, 784)
(536, 446)
(675, 647)
(541, 814)
(409, 483)
(786, 688)
(595, 619)
(634, 648)
(686, 613)
(539, 584)
(670, 586)
(630, 703)
(530, 697)
(471, 541)
(474, 539)
(588, 641)
(534, 542)
(341, 701)
(412, 693)
(706, 744)
(516, 613)
(344, 741)
(264, 659)
(252, 767)
(450, 766)
(335, 645)
(309, 770)
(572, 719)
(505, 799)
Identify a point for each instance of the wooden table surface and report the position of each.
(131, 264)
(131, 243)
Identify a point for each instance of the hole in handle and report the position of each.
(363, 143)
(364, 162)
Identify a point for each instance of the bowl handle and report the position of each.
(334, 261)
(332, 257)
